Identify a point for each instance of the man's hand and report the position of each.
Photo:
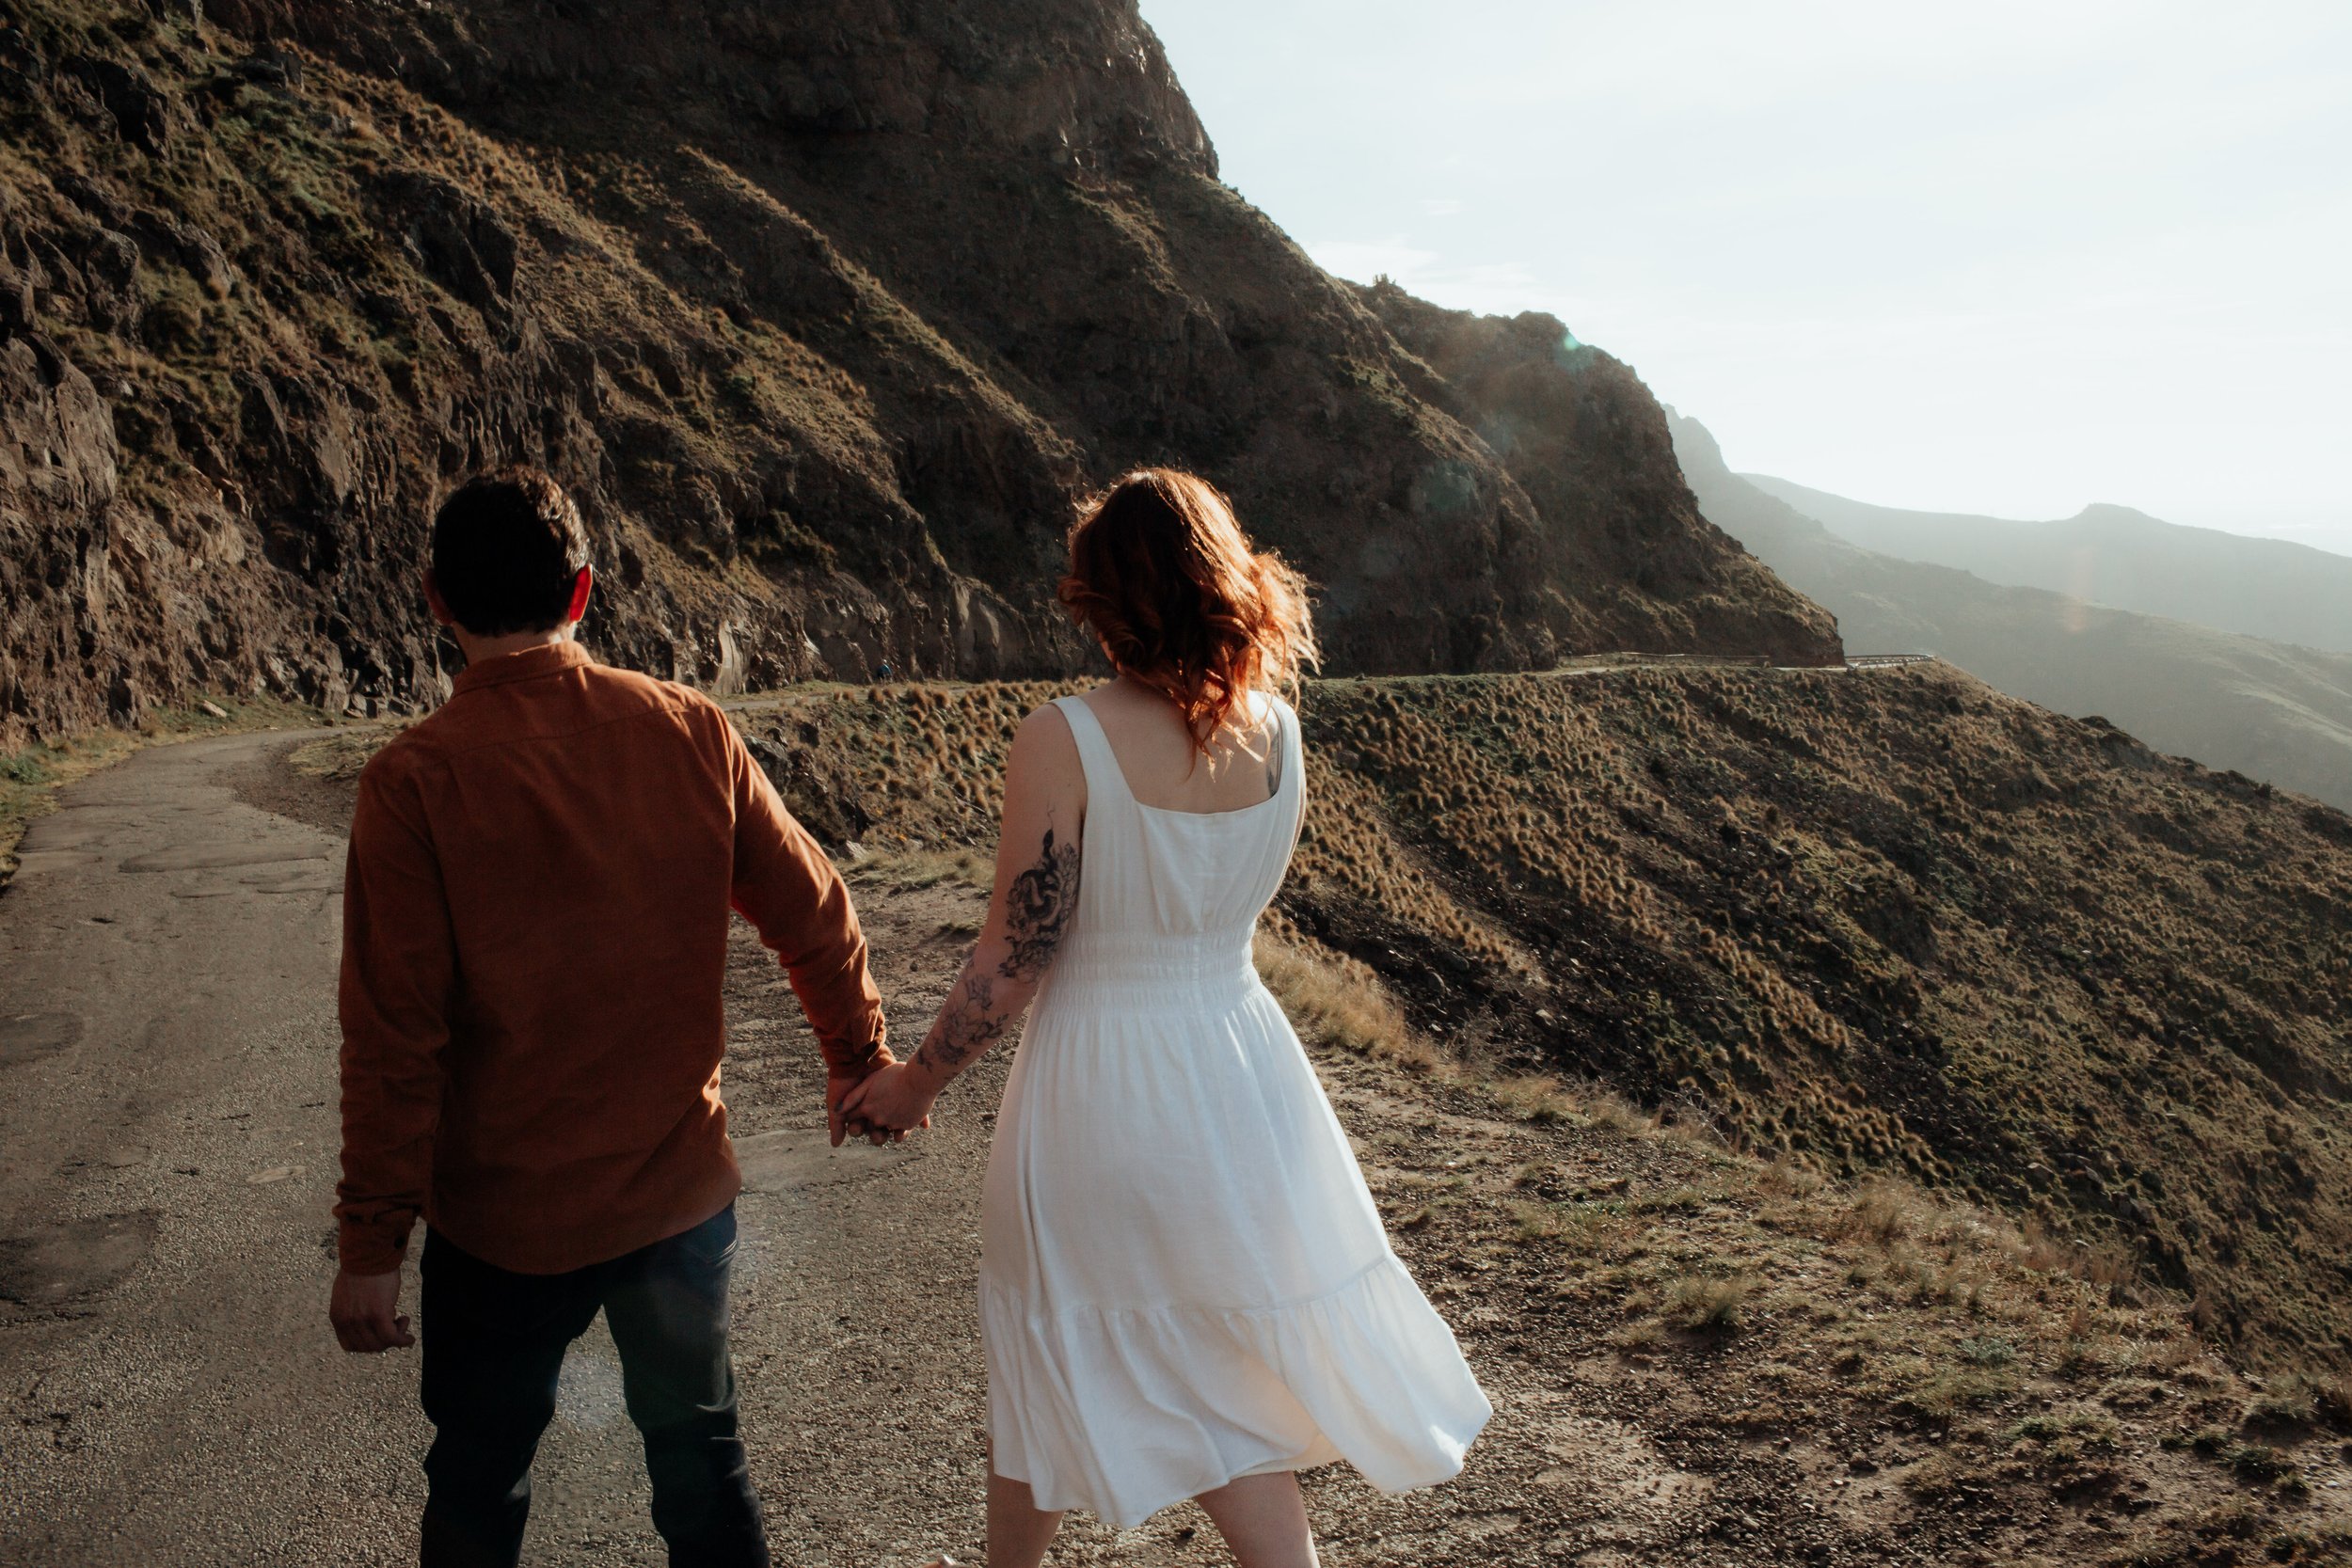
(364, 1310)
(897, 1099)
(839, 1125)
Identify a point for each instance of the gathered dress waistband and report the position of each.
(1184, 972)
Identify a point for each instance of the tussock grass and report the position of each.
(1539, 1098)
(1788, 1178)
(1884, 1211)
(2066, 1434)
(339, 757)
(1708, 1304)
(913, 870)
(1573, 1229)
(1337, 1000)
(1940, 1393)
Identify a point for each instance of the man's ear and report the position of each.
(581, 586)
(434, 602)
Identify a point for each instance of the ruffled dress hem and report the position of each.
(1366, 1372)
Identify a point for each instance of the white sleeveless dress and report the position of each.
(1182, 1278)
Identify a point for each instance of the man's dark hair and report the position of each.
(507, 547)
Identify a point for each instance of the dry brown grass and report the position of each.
(920, 868)
(1885, 1211)
(339, 757)
(1788, 1178)
(1539, 1098)
(1707, 1303)
(1750, 900)
(1332, 999)
(1761, 1302)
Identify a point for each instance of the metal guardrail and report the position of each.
(1882, 661)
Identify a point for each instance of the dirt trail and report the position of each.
(172, 1394)
(166, 1113)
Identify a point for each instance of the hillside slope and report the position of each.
(1890, 921)
(2274, 712)
(2112, 555)
(826, 312)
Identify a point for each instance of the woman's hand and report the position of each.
(895, 1099)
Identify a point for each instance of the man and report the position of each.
(535, 932)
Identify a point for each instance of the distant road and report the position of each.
(1601, 663)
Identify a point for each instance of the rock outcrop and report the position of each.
(826, 312)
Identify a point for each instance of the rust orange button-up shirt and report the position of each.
(534, 938)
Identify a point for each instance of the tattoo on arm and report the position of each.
(1039, 904)
(969, 1024)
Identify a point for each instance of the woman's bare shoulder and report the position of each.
(1045, 742)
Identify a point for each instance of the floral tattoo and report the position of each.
(1039, 904)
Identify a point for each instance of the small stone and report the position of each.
(211, 710)
(275, 1173)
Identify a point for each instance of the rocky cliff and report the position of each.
(826, 312)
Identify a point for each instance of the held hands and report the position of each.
(897, 1098)
(365, 1311)
(841, 1122)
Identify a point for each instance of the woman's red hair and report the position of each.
(1162, 573)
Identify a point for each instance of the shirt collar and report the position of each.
(528, 664)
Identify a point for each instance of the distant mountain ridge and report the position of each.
(2276, 713)
(2114, 556)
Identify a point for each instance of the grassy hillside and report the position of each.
(2114, 556)
(2275, 712)
(1873, 921)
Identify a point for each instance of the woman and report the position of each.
(1185, 1287)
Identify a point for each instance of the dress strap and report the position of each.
(1104, 782)
(1293, 762)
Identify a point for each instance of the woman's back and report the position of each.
(1161, 765)
(1168, 888)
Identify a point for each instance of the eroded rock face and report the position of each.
(57, 470)
(827, 313)
(1593, 454)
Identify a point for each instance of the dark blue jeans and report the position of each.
(494, 1344)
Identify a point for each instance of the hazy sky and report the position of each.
(2002, 258)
